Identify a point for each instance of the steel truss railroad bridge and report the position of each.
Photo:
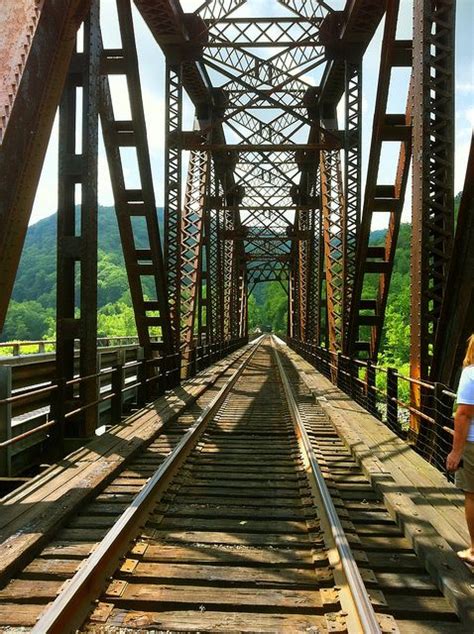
(273, 186)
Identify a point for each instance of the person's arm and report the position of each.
(462, 422)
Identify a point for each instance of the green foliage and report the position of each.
(116, 320)
(35, 285)
(268, 306)
(27, 321)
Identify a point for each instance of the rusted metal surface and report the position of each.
(335, 244)
(261, 204)
(77, 238)
(433, 177)
(456, 320)
(172, 199)
(192, 242)
(142, 260)
(366, 315)
(36, 43)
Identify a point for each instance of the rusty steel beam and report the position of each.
(346, 35)
(77, 238)
(172, 197)
(142, 260)
(433, 179)
(192, 242)
(352, 174)
(36, 44)
(456, 320)
(181, 36)
(366, 314)
(334, 220)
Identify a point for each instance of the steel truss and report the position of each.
(135, 208)
(172, 206)
(367, 313)
(273, 188)
(192, 246)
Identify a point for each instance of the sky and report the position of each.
(152, 69)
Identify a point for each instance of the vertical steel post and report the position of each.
(334, 231)
(172, 204)
(5, 419)
(352, 176)
(433, 185)
(192, 248)
(77, 231)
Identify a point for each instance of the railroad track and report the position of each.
(246, 514)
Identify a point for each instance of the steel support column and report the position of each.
(192, 248)
(335, 243)
(313, 314)
(367, 313)
(77, 235)
(457, 314)
(36, 43)
(136, 208)
(172, 206)
(433, 170)
(352, 174)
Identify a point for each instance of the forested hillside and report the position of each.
(32, 309)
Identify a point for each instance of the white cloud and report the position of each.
(469, 115)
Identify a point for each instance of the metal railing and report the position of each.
(37, 407)
(427, 427)
(17, 348)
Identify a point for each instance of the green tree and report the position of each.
(116, 320)
(27, 321)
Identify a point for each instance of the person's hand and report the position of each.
(453, 460)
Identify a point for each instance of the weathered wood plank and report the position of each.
(239, 598)
(209, 621)
(197, 574)
(234, 525)
(244, 539)
(239, 555)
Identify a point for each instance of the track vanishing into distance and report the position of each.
(246, 514)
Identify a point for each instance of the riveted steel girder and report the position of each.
(36, 44)
(433, 173)
(77, 236)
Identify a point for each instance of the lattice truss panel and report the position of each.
(192, 241)
(265, 66)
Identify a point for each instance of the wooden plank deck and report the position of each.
(427, 507)
(32, 513)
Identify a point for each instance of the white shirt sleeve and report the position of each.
(466, 386)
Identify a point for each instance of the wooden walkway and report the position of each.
(428, 507)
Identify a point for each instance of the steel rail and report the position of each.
(67, 612)
(363, 607)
